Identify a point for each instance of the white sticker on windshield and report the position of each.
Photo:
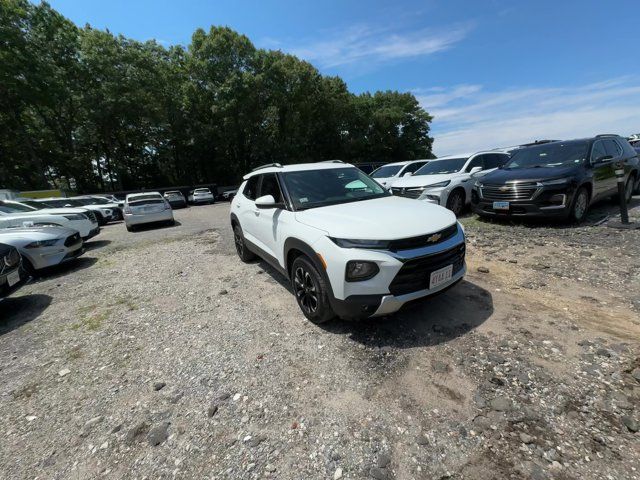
(304, 199)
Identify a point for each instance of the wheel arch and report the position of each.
(234, 220)
(294, 247)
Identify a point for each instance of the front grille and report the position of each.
(409, 192)
(72, 239)
(509, 192)
(423, 240)
(416, 274)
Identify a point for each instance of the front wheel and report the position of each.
(244, 253)
(311, 291)
(628, 190)
(455, 202)
(580, 205)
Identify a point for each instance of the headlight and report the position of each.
(42, 243)
(358, 270)
(557, 181)
(478, 184)
(439, 184)
(346, 243)
(75, 216)
(106, 211)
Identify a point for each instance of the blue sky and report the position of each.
(492, 72)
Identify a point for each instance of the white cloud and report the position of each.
(466, 117)
(364, 44)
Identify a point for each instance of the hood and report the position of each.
(386, 218)
(500, 176)
(423, 180)
(31, 234)
(61, 211)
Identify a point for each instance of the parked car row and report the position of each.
(547, 178)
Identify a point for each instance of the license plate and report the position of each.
(501, 205)
(13, 278)
(440, 276)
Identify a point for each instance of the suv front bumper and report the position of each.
(404, 276)
(552, 201)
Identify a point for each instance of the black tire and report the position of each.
(130, 228)
(28, 267)
(311, 291)
(170, 223)
(243, 252)
(455, 202)
(636, 189)
(580, 205)
(100, 219)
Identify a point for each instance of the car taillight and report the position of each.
(167, 205)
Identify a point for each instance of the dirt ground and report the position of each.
(160, 355)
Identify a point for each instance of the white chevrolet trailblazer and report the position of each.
(348, 246)
(447, 180)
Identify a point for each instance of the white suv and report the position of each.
(447, 181)
(389, 173)
(348, 246)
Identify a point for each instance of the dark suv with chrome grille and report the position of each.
(556, 179)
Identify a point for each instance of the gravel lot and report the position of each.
(160, 355)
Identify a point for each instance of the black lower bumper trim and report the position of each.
(356, 307)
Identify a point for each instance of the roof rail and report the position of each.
(332, 161)
(277, 165)
(607, 135)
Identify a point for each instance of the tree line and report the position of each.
(85, 110)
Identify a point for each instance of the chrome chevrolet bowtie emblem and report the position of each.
(434, 238)
(504, 189)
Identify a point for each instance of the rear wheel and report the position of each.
(241, 247)
(628, 190)
(130, 228)
(580, 205)
(311, 291)
(455, 202)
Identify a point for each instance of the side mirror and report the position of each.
(267, 201)
(408, 174)
(475, 170)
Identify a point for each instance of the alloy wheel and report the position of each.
(456, 203)
(306, 291)
(581, 205)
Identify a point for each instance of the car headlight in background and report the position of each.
(42, 243)
(478, 184)
(439, 184)
(557, 181)
(75, 216)
(346, 243)
(359, 270)
(106, 211)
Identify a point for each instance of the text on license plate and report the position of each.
(13, 278)
(440, 276)
(501, 205)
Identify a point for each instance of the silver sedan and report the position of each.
(43, 247)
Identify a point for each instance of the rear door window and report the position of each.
(495, 160)
(612, 148)
(476, 162)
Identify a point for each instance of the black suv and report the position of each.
(559, 178)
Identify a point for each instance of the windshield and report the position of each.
(549, 155)
(319, 188)
(202, 190)
(98, 201)
(35, 205)
(436, 167)
(63, 202)
(386, 171)
(15, 207)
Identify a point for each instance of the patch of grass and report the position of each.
(75, 353)
(127, 302)
(26, 391)
(93, 321)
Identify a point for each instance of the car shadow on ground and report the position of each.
(93, 244)
(64, 268)
(145, 227)
(426, 322)
(17, 311)
(598, 214)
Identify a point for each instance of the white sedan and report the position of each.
(43, 247)
(201, 195)
(387, 174)
(16, 214)
(145, 208)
